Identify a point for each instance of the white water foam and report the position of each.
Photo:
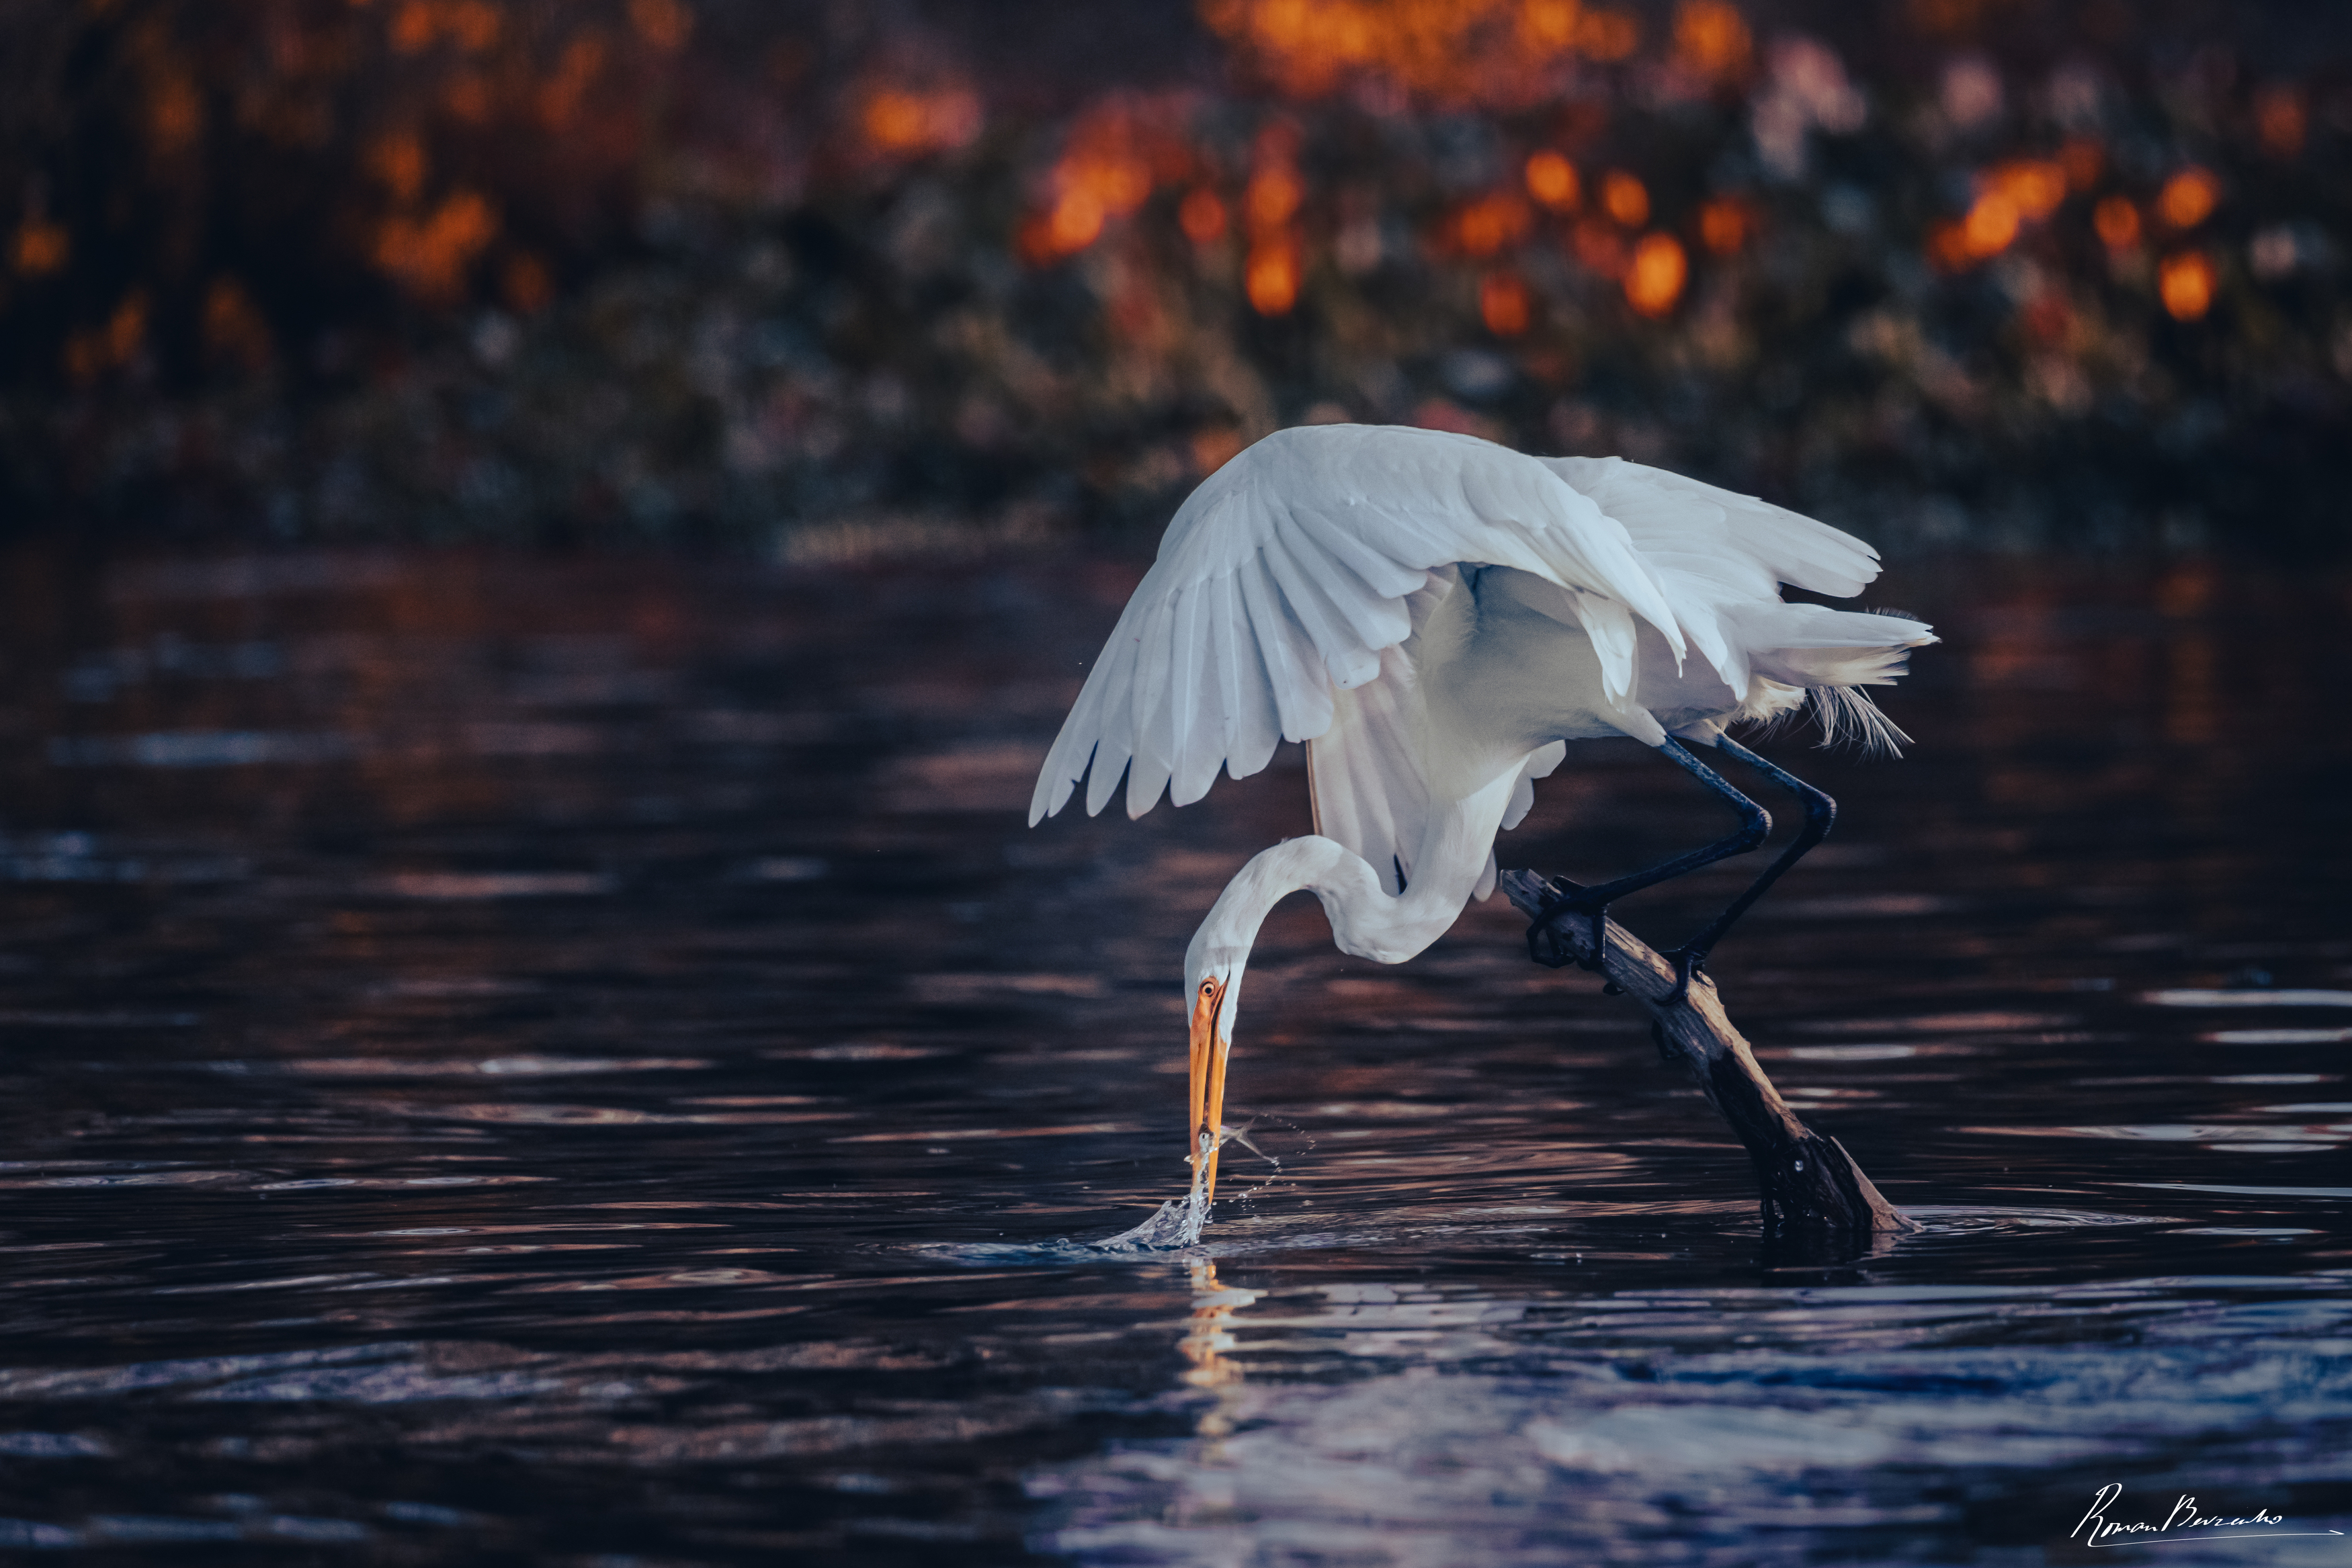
(1172, 1225)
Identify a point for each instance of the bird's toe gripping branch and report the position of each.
(1688, 961)
(1547, 941)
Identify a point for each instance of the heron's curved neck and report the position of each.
(1316, 864)
(1367, 920)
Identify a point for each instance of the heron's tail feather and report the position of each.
(1846, 714)
(1808, 657)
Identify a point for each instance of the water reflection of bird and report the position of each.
(1436, 616)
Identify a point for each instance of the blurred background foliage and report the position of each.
(822, 278)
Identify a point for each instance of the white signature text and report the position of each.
(2187, 1521)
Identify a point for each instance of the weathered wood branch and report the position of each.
(1809, 1182)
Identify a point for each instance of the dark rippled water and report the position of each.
(581, 1064)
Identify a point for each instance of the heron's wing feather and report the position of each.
(1791, 546)
(1105, 713)
(1814, 645)
(1540, 764)
(1150, 702)
(1365, 772)
(1715, 550)
(1286, 575)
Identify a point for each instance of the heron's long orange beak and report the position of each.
(1205, 1109)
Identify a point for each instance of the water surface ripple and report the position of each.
(574, 1063)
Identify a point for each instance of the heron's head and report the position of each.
(1213, 979)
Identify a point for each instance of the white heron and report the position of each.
(1436, 616)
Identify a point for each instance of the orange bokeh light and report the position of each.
(664, 24)
(428, 257)
(1724, 224)
(576, 70)
(1201, 216)
(2117, 223)
(413, 27)
(1271, 276)
(2185, 280)
(234, 328)
(42, 247)
(1551, 179)
(2083, 158)
(2009, 196)
(1275, 192)
(2034, 186)
(1608, 35)
(1712, 37)
(908, 122)
(1550, 25)
(1991, 226)
(1107, 170)
(469, 98)
(1214, 447)
(896, 121)
(1948, 246)
(472, 24)
(1120, 184)
(1490, 223)
(2281, 120)
(398, 160)
(526, 283)
(1073, 223)
(1503, 302)
(1625, 198)
(1600, 248)
(176, 114)
(2189, 198)
(1656, 280)
(1491, 52)
(91, 352)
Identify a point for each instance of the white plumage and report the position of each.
(1436, 616)
(1282, 577)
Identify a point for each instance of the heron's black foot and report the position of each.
(1546, 947)
(1686, 963)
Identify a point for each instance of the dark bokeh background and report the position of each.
(1952, 272)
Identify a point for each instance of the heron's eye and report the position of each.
(1208, 987)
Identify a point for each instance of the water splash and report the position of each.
(1177, 1224)
(1172, 1225)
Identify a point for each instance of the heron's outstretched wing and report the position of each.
(1284, 575)
(1716, 551)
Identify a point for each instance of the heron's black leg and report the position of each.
(1819, 812)
(1543, 943)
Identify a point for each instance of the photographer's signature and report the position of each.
(2187, 1521)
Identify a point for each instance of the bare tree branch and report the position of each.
(1809, 1181)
